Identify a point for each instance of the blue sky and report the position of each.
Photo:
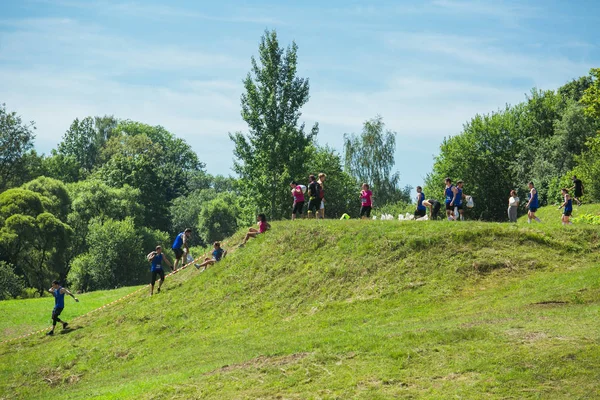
(426, 67)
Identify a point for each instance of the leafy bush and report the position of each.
(219, 218)
(11, 285)
(590, 219)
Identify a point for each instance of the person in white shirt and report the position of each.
(513, 204)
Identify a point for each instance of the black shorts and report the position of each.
(449, 207)
(298, 206)
(313, 205)
(460, 207)
(158, 272)
(56, 312)
(365, 210)
(420, 213)
(533, 209)
(567, 213)
(178, 253)
(578, 194)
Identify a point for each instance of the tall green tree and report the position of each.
(16, 139)
(591, 96)
(369, 157)
(274, 151)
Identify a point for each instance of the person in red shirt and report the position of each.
(365, 201)
(298, 199)
(263, 226)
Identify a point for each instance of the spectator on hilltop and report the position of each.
(513, 205)
(578, 187)
(298, 204)
(321, 181)
(366, 202)
(314, 201)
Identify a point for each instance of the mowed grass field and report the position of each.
(345, 309)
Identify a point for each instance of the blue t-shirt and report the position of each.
(157, 262)
(534, 202)
(458, 201)
(218, 254)
(178, 243)
(449, 194)
(59, 298)
(569, 205)
(420, 198)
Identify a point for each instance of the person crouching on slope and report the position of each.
(298, 199)
(568, 205)
(59, 304)
(365, 202)
(156, 258)
(263, 226)
(217, 254)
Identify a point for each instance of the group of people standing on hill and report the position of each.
(315, 191)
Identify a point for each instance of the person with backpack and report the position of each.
(156, 258)
(314, 201)
(59, 304)
(298, 204)
(321, 180)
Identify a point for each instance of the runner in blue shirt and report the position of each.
(156, 258)
(450, 194)
(421, 210)
(568, 205)
(533, 204)
(59, 304)
(458, 202)
(181, 248)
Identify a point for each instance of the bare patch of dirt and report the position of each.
(261, 361)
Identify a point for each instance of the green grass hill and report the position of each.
(341, 310)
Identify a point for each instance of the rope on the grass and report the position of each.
(104, 306)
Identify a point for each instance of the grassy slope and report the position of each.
(352, 309)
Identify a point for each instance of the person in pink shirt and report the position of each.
(298, 199)
(263, 226)
(365, 201)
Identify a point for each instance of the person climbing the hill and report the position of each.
(217, 254)
(313, 197)
(532, 204)
(156, 258)
(434, 208)
(513, 205)
(568, 207)
(450, 193)
(458, 201)
(321, 181)
(365, 201)
(181, 248)
(59, 304)
(421, 209)
(298, 199)
(578, 186)
(263, 226)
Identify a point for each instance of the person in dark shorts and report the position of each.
(450, 193)
(434, 208)
(578, 190)
(59, 304)
(217, 254)
(314, 200)
(156, 258)
(366, 202)
(298, 199)
(421, 209)
(181, 248)
(533, 203)
(458, 202)
(568, 207)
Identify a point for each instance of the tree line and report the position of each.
(88, 212)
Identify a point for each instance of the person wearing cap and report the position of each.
(59, 304)
(578, 189)
(181, 247)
